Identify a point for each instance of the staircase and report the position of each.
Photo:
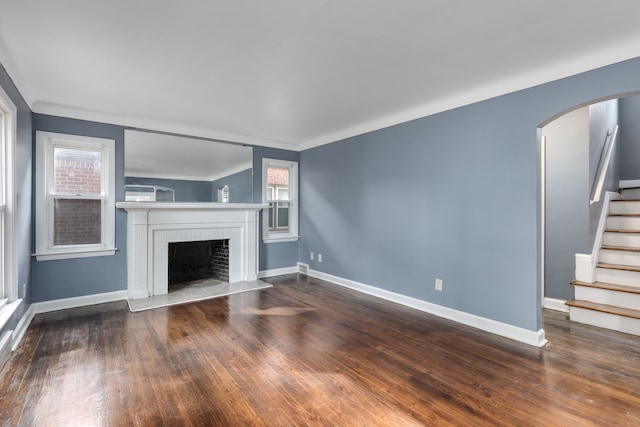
(613, 300)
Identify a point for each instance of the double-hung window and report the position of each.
(280, 192)
(8, 270)
(75, 193)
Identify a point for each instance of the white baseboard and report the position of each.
(21, 329)
(535, 338)
(63, 304)
(277, 272)
(555, 304)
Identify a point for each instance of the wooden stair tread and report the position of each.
(604, 308)
(608, 286)
(629, 215)
(625, 200)
(618, 267)
(620, 248)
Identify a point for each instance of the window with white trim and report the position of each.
(8, 126)
(280, 192)
(75, 192)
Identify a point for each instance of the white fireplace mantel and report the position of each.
(151, 226)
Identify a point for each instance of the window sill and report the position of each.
(280, 239)
(75, 254)
(6, 312)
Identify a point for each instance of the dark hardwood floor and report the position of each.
(308, 353)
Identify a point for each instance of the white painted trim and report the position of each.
(5, 347)
(277, 272)
(584, 268)
(75, 254)
(535, 338)
(629, 183)
(66, 303)
(21, 329)
(9, 114)
(543, 211)
(555, 304)
(586, 263)
(7, 311)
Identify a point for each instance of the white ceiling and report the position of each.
(297, 73)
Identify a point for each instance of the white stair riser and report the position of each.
(621, 239)
(630, 193)
(624, 207)
(618, 277)
(623, 222)
(604, 296)
(628, 325)
(619, 257)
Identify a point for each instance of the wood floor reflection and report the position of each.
(308, 353)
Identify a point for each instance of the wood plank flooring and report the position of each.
(308, 353)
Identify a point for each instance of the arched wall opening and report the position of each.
(571, 146)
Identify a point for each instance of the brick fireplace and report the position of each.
(200, 260)
(153, 226)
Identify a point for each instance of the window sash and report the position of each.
(276, 216)
(51, 209)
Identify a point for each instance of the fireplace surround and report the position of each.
(151, 226)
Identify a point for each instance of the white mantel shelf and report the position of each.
(151, 226)
(129, 206)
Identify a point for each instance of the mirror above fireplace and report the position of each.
(194, 169)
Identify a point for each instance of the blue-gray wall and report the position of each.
(240, 187)
(567, 200)
(56, 279)
(273, 255)
(630, 137)
(454, 196)
(22, 186)
(185, 190)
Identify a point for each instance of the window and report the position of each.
(8, 270)
(280, 192)
(75, 196)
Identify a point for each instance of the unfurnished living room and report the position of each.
(319, 212)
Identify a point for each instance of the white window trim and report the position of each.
(9, 115)
(292, 235)
(44, 249)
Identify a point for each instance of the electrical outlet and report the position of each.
(24, 291)
(319, 257)
(311, 256)
(438, 284)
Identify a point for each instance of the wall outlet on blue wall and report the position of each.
(311, 256)
(319, 257)
(438, 284)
